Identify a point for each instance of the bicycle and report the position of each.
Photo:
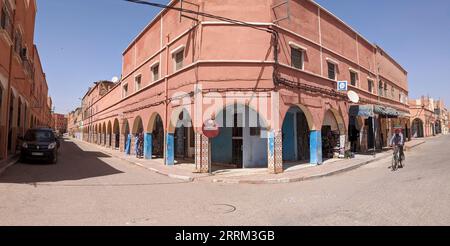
(396, 159)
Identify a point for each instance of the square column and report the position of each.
(316, 147)
(121, 143)
(202, 153)
(133, 145)
(108, 137)
(275, 152)
(170, 149)
(148, 140)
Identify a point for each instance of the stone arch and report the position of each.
(417, 128)
(138, 126)
(174, 121)
(296, 130)
(155, 127)
(116, 133)
(242, 142)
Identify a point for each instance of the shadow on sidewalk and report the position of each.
(73, 164)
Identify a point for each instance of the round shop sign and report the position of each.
(210, 129)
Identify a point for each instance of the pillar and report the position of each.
(148, 140)
(113, 140)
(121, 143)
(316, 147)
(108, 138)
(128, 145)
(133, 145)
(202, 153)
(170, 149)
(275, 152)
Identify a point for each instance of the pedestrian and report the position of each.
(141, 145)
(136, 144)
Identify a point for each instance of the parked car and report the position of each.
(39, 144)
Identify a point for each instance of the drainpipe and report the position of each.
(166, 104)
(8, 95)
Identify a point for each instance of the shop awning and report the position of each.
(371, 110)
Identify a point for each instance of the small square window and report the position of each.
(297, 58)
(332, 71)
(138, 82)
(155, 72)
(370, 85)
(353, 78)
(178, 59)
(125, 90)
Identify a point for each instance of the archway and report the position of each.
(116, 130)
(104, 133)
(183, 138)
(242, 141)
(109, 134)
(417, 128)
(138, 129)
(333, 130)
(296, 136)
(155, 128)
(126, 137)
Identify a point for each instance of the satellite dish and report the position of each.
(115, 79)
(353, 96)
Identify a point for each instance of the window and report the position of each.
(385, 89)
(332, 71)
(138, 82)
(155, 72)
(178, 59)
(18, 42)
(297, 58)
(370, 85)
(125, 90)
(353, 78)
(5, 18)
(392, 92)
(380, 88)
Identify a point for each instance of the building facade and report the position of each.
(423, 117)
(269, 83)
(23, 86)
(441, 113)
(59, 123)
(74, 124)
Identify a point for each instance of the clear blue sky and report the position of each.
(82, 41)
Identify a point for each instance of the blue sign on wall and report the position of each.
(342, 85)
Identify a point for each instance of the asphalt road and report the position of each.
(87, 187)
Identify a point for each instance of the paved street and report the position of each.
(87, 187)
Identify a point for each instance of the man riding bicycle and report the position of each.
(398, 140)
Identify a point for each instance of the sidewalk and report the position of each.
(295, 173)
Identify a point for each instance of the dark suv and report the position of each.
(39, 144)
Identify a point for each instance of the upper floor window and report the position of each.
(178, 58)
(155, 72)
(5, 18)
(18, 42)
(332, 70)
(385, 89)
(138, 83)
(380, 88)
(125, 90)
(392, 92)
(353, 78)
(370, 85)
(297, 58)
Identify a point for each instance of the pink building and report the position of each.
(282, 66)
(423, 117)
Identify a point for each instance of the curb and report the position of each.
(13, 161)
(174, 176)
(303, 178)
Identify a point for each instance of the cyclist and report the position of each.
(398, 141)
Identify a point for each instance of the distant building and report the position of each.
(423, 117)
(59, 123)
